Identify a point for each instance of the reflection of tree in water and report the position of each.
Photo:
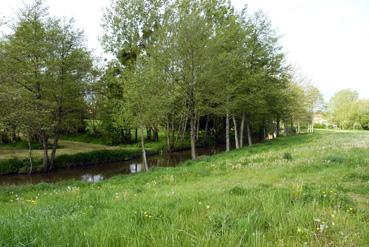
(92, 178)
(174, 158)
(134, 168)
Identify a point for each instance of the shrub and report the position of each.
(320, 126)
(12, 166)
(364, 121)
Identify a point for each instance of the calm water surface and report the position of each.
(96, 173)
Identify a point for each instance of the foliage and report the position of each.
(347, 111)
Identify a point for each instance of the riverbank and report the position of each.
(307, 190)
(100, 171)
(14, 158)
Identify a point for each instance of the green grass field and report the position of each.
(309, 190)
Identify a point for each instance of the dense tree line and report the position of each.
(201, 65)
(189, 68)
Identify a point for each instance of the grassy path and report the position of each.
(310, 190)
(66, 147)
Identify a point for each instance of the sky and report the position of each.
(327, 41)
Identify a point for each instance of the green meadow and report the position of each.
(307, 190)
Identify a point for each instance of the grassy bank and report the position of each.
(310, 190)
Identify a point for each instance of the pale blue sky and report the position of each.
(326, 40)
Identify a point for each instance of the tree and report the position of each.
(340, 107)
(347, 111)
(129, 34)
(46, 66)
(314, 102)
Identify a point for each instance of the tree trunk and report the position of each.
(227, 131)
(168, 136)
(206, 130)
(173, 134)
(148, 134)
(30, 154)
(277, 128)
(193, 135)
(53, 151)
(197, 127)
(286, 130)
(235, 132)
(192, 110)
(312, 126)
(242, 127)
(291, 127)
(144, 160)
(136, 135)
(129, 136)
(298, 127)
(156, 134)
(184, 129)
(179, 131)
(45, 161)
(13, 134)
(249, 140)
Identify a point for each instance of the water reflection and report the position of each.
(92, 178)
(99, 172)
(134, 168)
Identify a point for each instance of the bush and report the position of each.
(364, 121)
(320, 126)
(12, 166)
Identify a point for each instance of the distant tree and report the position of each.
(341, 108)
(314, 102)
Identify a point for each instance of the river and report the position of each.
(99, 172)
